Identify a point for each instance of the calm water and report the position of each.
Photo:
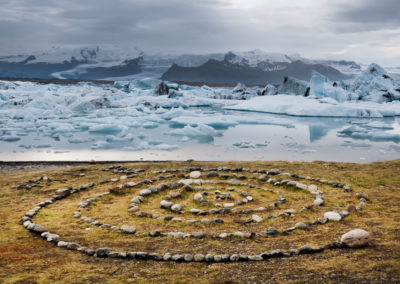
(310, 139)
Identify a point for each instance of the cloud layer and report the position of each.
(363, 30)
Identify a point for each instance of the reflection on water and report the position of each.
(311, 138)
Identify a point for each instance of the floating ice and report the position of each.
(303, 106)
(200, 130)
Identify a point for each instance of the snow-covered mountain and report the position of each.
(115, 62)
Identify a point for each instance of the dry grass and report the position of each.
(26, 258)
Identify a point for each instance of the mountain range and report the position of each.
(116, 63)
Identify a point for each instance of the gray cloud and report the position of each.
(323, 28)
(367, 15)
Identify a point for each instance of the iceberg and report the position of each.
(375, 84)
(293, 86)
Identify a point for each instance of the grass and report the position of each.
(26, 258)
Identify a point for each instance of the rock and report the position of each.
(234, 257)
(73, 246)
(198, 257)
(161, 89)
(344, 213)
(217, 221)
(198, 235)
(53, 238)
(313, 188)
(318, 201)
(249, 198)
(188, 257)
(274, 172)
(244, 193)
(362, 195)
(306, 250)
(167, 256)
(263, 177)
(322, 220)
(102, 252)
(166, 204)
(238, 234)
(256, 218)
(155, 233)
(133, 209)
(300, 225)
(128, 229)
(145, 192)
(155, 256)
(187, 187)
(61, 193)
(256, 257)
(38, 229)
(209, 258)
(141, 255)
(195, 211)
(224, 235)
(332, 216)
(229, 204)
(212, 174)
(356, 238)
(301, 185)
(347, 188)
(195, 174)
(205, 221)
(271, 231)
(176, 207)
(62, 244)
(178, 257)
(198, 196)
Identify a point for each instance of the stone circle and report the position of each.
(225, 196)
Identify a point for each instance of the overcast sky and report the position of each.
(361, 30)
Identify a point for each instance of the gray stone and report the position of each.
(198, 257)
(176, 207)
(212, 174)
(188, 257)
(234, 257)
(255, 257)
(167, 256)
(256, 218)
(272, 231)
(263, 177)
(155, 256)
(300, 225)
(195, 174)
(209, 257)
(102, 252)
(356, 238)
(301, 185)
(61, 193)
(128, 229)
(332, 216)
(141, 255)
(274, 172)
(318, 201)
(198, 196)
(198, 235)
(53, 237)
(178, 257)
(166, 204)
(145, 192)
